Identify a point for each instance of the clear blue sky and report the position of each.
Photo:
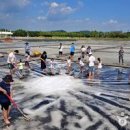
(69, 15)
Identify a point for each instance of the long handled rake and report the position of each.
(16, 106)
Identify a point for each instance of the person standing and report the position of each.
(69, 65)
(43, 60)
(81, 64)
(83, 50)
(60, 49)
(72, 51)
(89, 50)
(91, 66)
(11, 60)
(5, 89)
(99, 63)
(27, 48)
(121, 55)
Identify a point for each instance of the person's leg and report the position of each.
(5, 112)
(122, 60)
(89, 76)
(119, 59)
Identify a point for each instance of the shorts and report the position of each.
(11, 66)
(71, 53)
(5, 105)
(91, 69)
(27, 52)
(60, 52)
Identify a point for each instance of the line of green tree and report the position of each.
(62, 33)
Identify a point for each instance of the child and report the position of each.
(21, 67)
(52, 66)
(69, 65)
(99, 63)
(81, 64)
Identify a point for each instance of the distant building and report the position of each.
(4, 34)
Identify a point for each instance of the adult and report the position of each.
(89, 50)
(72, 51)
(43, 60)
(91, 66)
(5, 89)
(83, 50)
(121, 55)
(12, 61)
(27, 48)
(60, 49)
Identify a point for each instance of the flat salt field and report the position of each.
(70, 102)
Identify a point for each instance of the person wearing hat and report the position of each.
(91, 66)
(5, 88)
(27, 48)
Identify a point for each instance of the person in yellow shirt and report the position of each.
(21, 66)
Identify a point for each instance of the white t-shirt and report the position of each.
(11, 58)
(83, 49)
(69, 62)
(81, 63)
(91, 60)
(100, 65)
(52, 64)
(61, 48)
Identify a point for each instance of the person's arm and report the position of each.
(3, 90)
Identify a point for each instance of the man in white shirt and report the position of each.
(12, 61)
(91, 66)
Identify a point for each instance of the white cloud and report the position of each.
(60, 8)
(54, 5)
(110, 22)
(41, 18)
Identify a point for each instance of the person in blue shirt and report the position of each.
(72, 50)
(5, 89)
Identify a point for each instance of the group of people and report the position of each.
(5, 84)
(13, 64)
(90, 65)
(17, 66)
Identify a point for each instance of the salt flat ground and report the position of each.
(63, 102)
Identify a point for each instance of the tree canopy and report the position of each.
(79, 34)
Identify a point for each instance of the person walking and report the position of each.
(5, 89)
(121, 55)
